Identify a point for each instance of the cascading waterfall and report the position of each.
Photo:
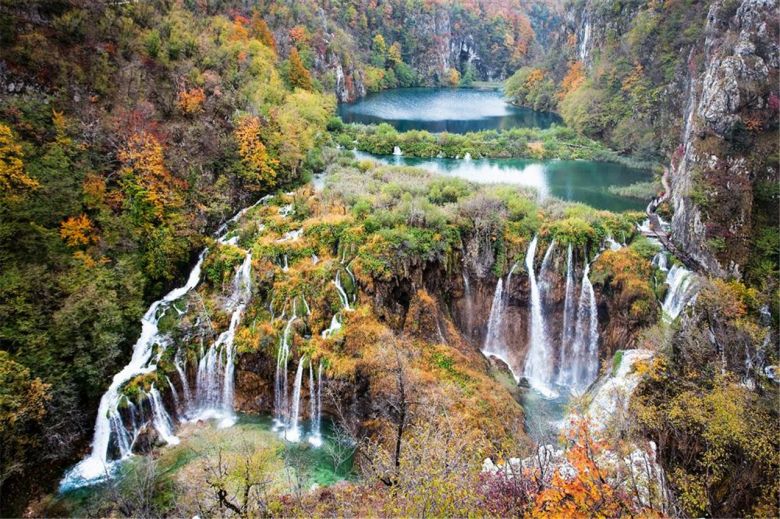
(215, 380)
(467, 295)
(539, 363)
(511, 272)
(612, 244)
(175, 395)
(280, 381)
(569, 317)
(682, 290)
(659, 260)
(545, 272)
(335, 325)
(293, 432)
(134, 418)
(582, 368)
(318, 419)
(335, 321)
(342, 293)
(123, 440)
(160, 418)
(494, 341)
(315, 405)
(185, 385)
(107, 423)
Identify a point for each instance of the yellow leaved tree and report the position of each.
(257, 167)
(14, 182)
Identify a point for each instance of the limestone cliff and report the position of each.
(715, 115)
(729, 129)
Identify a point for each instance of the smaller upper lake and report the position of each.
(454, 110)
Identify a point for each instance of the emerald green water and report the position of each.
(575, 181)
(313, 466)
(444, 109)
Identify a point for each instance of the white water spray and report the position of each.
(293, 432)
(216, 369)
(682, 291)
(96, 466)
(494, 342)
(581, 367)
(539, 363)
(569, 318)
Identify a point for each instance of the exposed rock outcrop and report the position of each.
(721, 105)
(719, 162)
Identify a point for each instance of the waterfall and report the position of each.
(494, 342)
(612, 244)
(96, 464)
(682, 289)
(108, 423)
(545, 272)
(160, 418)
(335, 321)
(583, 365)
(569, 316)
(175, 394)
(185, 386)
(583, 50)
(293, 432)
(122, 438)
(539, 363)
(509, 277)
(215, 379)
(134, 414)
(397, 151)
(659, 260)
(342, 294)
(315, 438)
(335, 325)
(592, 359)
(467, 295)
(318, 421)
(467, 156)
(280, 381)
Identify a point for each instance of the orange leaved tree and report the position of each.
(583, 488)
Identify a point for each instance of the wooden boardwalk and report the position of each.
(655, 230)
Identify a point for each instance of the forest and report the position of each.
(217, 298)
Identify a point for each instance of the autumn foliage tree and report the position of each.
(257, 167)
(262, 32)
(151, 189)
(77, 231)
(14, 181)
(191, 101)
(574, 77)
(299, 75)
(584, 488)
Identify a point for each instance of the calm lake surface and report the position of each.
(575, 181)
(454, 110)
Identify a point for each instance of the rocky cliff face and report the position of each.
(717, 120)
(728, 130)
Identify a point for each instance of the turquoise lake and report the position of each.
(464, 110)
(454, 110)
(574, 181)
